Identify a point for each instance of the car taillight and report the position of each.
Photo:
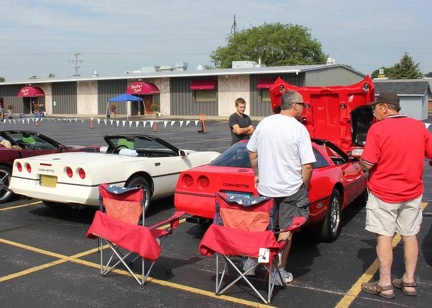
(28, 167)
(69, 172)
(203, 182)
(81, 173)
(187, 180)
(19, 167)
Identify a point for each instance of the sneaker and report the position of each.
(287, 277)
(249, 266)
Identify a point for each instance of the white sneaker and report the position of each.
(287, 277)
(249, 266)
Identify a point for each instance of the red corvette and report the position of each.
(337, 119)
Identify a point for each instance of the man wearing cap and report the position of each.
(395, 149)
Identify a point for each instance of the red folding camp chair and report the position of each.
(243, 226)
(117, 225)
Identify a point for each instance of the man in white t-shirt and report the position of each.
(282, 158)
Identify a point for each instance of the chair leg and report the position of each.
(219, 278)
(121, 259)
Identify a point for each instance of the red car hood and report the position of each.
(340, 114)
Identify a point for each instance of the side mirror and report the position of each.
(182, 153)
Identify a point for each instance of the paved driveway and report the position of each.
(46, 260)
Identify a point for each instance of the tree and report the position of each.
(2, 79)
(429, 75)
(33, 77)
(272, 44)
(405, 69)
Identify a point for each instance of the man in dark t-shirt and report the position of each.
(240, 123)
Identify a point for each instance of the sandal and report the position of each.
(377, 289)
(401, 284)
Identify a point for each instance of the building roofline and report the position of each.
(296, 69)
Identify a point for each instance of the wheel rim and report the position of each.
(4, 184)
(335, 215)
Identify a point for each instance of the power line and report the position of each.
(76, 61)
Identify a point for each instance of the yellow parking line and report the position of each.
(355, 290)
(22, 205)
(75, 258)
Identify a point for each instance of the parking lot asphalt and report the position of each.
(46, 260)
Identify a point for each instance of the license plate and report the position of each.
(48, 180)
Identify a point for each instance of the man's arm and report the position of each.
(307, 174)
(251, 130)
(366, 164)
(242, 131)
(253, 156)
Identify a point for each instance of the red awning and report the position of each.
(143, 88)
(266, 83)
(31, 92)
(203, 85)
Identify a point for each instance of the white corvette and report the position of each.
(129, 161)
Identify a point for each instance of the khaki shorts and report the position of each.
(387, 218)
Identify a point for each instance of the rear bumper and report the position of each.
(195, 204)
(62, 193)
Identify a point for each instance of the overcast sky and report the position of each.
(111, 36)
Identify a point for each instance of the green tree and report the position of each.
(33, 77)
(272, 44)
(429, 75)
(405, 69)
(2, 79)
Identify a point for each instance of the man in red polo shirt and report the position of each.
(395, 149)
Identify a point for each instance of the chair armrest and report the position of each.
(296, 223)
(173, 221)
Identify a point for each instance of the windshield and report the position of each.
(236, 156)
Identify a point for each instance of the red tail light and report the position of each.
(19, 167)
(28, 167)
(203, 182)
(69, 172)
(187, 180)
(81, 173)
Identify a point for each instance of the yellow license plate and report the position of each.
(48, 180)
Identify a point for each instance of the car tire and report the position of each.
(329, 230)
(140, 181)
(5, 176)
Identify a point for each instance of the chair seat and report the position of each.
(230, 241)
(136, 238)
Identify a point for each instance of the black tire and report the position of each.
(140, 181)
(329, 230)
(5, 176)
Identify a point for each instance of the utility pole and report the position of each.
(234, 27)
(76, 61)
